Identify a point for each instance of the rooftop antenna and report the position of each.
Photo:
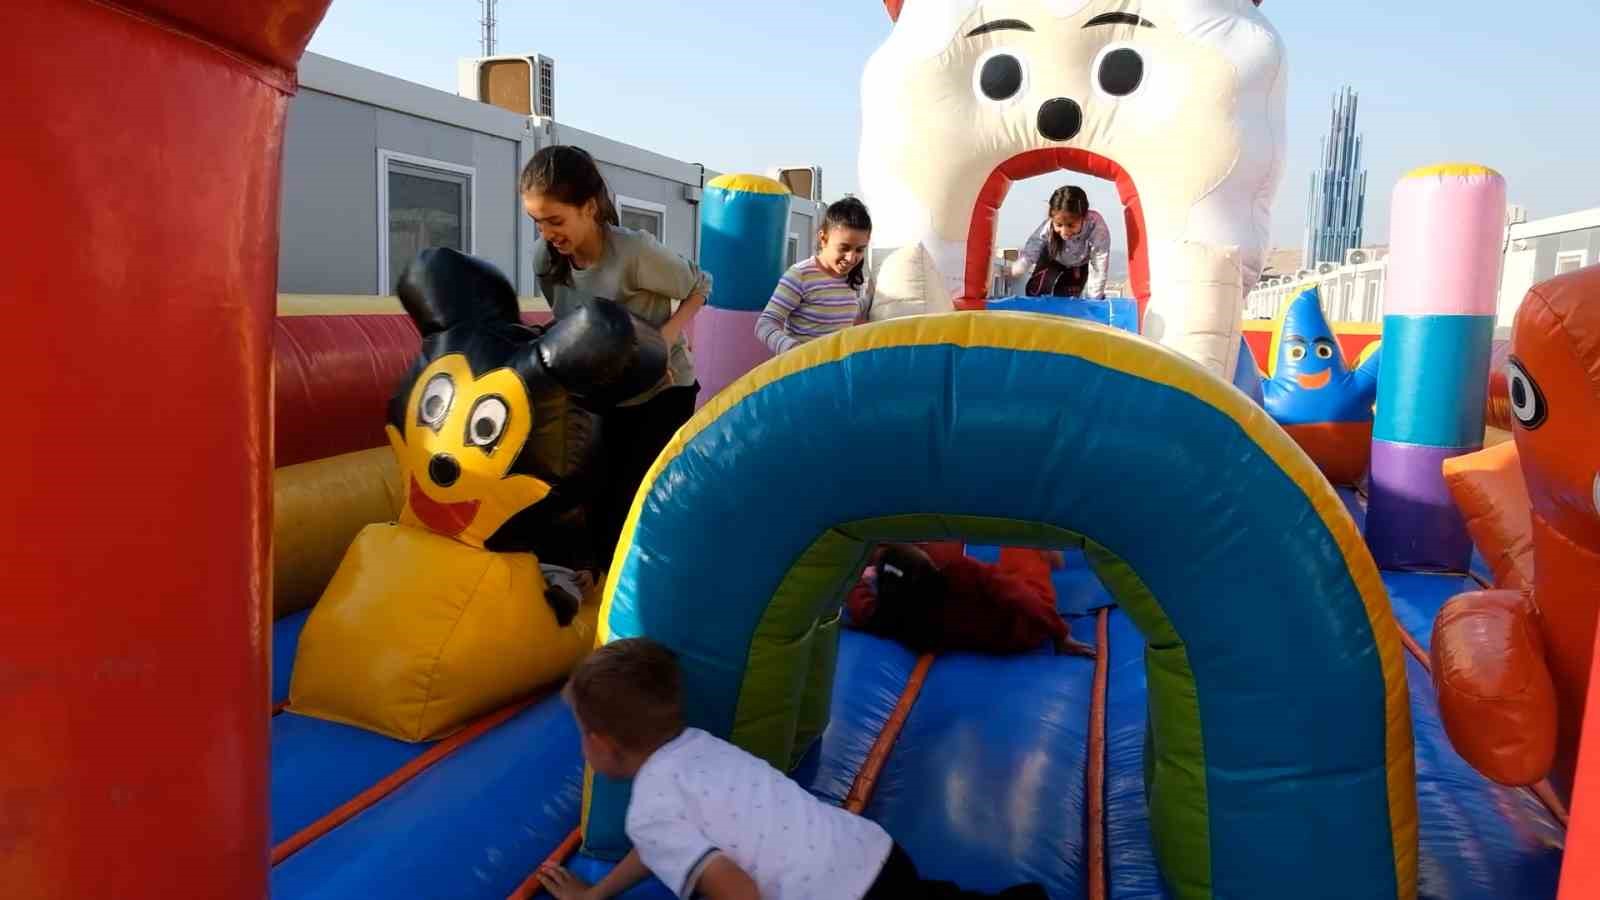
(488, 26)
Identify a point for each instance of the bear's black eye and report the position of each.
(1000, 77)
(1121, 72)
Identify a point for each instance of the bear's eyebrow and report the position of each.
(1000, 25)
(1119, 18)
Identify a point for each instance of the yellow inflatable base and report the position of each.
(417, 635)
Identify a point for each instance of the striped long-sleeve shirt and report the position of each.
(808, 303)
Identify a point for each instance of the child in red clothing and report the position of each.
(935, 598)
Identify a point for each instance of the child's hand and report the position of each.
(564, 885)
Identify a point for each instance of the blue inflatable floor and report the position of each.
(986, 785)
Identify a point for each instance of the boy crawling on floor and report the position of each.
(709, 819)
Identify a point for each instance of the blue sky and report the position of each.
(740, 88)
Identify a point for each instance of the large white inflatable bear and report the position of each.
(1181, 102)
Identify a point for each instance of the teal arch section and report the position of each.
(1281, 755)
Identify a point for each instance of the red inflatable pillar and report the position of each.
(1580, 868)
(138, 278)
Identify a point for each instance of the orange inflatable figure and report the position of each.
(1512, 667)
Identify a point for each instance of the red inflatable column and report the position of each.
(137, 286)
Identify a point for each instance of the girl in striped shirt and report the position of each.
(822, 294)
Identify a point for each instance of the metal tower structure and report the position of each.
(1337, 208)
(487, 22)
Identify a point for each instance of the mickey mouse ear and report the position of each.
(602, 354)
(443, 288)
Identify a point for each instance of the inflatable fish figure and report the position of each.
(1513, 666)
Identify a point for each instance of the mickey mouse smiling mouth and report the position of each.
(448, 519)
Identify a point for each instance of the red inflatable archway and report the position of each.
(980, 230)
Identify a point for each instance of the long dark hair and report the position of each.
(569, 175)
(1072, 201)
(849, 213)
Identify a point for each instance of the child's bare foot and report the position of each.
(1073, 647)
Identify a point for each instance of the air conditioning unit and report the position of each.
(1355, 257)
(525, 84)
(1302, 275)
(1325, 268)
(802, 181)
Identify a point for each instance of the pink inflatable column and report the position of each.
(1446, 228)
(744, 227)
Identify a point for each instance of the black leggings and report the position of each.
(631, 437)
(1052, 279)
(898, 880)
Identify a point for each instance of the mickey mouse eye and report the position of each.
(1120, 72)
(1297, 353)
(1324, 351)
(1000, 76)
(1527, 401)
(487, 422)
(436, 399)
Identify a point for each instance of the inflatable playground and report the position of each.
(286, 638)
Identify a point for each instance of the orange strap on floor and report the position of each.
(1542, 791)
(1096, 769)
(391, 782)
(563, 852)
(867, 779)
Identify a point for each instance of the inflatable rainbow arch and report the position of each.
(1290, 698)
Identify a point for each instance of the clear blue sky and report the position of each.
(740, 87)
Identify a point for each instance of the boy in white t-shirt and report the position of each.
(709, 819)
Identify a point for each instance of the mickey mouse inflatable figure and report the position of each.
(437, 618)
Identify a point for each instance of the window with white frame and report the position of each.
(1571, 261)
(642, 215)
(422, 203)
(793, 254)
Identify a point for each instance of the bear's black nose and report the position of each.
(1060, 119)
(443, 469)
